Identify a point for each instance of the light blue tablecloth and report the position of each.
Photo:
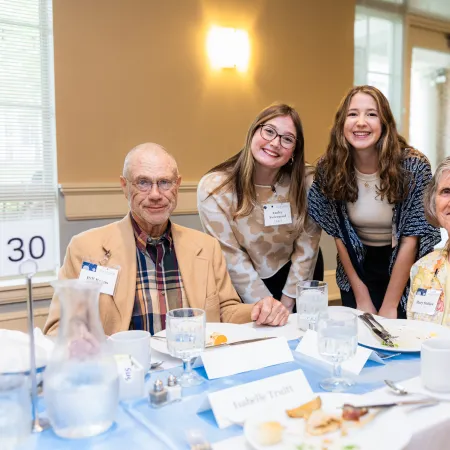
(141, 427)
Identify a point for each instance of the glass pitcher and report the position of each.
(81, 385)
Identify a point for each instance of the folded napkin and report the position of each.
(15, 350)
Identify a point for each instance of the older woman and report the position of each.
(430, 284)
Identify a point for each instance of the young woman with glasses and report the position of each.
(255, 204)
(368, 195)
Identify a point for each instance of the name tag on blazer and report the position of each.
(105, 275)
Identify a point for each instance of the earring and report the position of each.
(292, 159)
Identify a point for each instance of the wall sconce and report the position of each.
(228, 48)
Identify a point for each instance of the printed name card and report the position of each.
(309, 346)
(230, 360)
(236, 404)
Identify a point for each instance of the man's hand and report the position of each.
(390, 312)
(269, 311)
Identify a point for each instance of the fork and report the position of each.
(385, 336)
(379, 325)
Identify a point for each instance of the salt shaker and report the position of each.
(173, 389)
(158, 396)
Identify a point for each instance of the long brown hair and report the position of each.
(337, 175)
(241, 167)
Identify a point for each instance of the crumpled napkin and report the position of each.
(15, 350)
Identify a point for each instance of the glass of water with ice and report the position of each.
(185, 332)
(338, 341)
(312, 299)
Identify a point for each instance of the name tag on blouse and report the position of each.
(277, 214)
(425, 301)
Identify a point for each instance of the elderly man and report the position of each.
(163, 266)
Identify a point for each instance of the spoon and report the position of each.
(155, 364)
(397, 388)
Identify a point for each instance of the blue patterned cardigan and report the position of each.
(408, 219)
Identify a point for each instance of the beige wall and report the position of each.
(129, 71)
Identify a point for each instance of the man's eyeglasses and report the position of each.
(269, 133)
(145, 185)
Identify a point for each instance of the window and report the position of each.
(28, 184)
(378, 54)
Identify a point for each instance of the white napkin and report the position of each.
(15, 353)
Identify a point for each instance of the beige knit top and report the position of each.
(252, 250)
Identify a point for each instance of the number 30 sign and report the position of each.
(21, 240)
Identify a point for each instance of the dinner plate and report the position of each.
(15, 355)
(380, 433)
(411, 334)
(233, 332)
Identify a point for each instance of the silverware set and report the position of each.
(225, 344)
(378, 329)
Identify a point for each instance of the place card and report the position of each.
(230, 360)
(236, 404)
(308, 346)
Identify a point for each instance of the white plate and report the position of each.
(375, 435)
(411, 334)
(15, 355)
(232, 331)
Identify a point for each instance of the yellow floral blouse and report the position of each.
(430, 272)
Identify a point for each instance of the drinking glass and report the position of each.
(312, 299)
(338, 340)
(15, 411)
(185, 332)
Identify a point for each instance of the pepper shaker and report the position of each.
(173, 389)
(158, 396)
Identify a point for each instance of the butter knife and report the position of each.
(428, 401)
(379, 326)
(225, 344)
(245, 341)
(385, 338)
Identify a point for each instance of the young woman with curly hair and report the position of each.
(266, 255)
(368, 195)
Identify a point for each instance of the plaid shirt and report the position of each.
(159, 287)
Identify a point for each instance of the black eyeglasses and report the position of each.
(146, 185)
(269, 133)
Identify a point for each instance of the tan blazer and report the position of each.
(200, 259)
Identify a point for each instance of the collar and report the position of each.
(143, 239)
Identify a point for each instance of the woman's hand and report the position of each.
(363, 300)
(269, 311)
(390, 312)
(288, 302)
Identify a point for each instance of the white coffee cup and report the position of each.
(435, 364)
(135, 343)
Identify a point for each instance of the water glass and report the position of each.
(185, 332)
(312, 299)
(15, 411)
(338, 341)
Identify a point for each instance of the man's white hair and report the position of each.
(147, 147)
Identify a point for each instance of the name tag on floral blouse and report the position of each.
(277, 214)
(425, 301)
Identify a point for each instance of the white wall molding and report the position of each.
(106, 200)
(18, 293)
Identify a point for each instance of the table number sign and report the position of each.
(236, 404)
(22, 240)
